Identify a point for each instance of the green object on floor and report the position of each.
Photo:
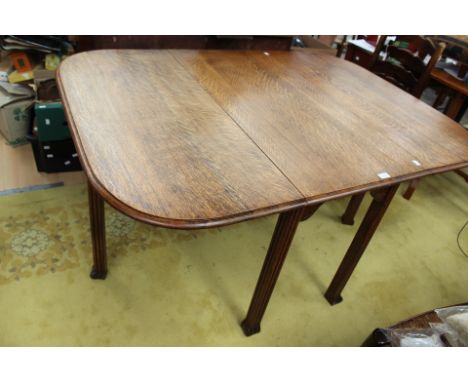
(184, 288)
(51, 123)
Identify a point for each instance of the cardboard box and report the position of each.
(41, 75)
(15, 113)
(45, 85)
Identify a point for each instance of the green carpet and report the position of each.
(168, 287)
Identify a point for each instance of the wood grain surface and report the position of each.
(158, 143)
(329, 125)
(191, 139)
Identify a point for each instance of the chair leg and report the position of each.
(341, 45)
(455, 105)
(440, 98)
(411, 188)
(353, 206)
(462, 111)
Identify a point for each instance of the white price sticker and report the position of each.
(383, 175)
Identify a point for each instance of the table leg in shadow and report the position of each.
(381, 201)
(353, 206)
(98, 233)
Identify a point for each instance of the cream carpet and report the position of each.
(187, 288)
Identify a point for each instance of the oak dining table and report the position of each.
(199, 139)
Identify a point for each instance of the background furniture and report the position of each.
(332, 44)
(409, 63)
(312, 42)
(360, 50)
(406, 62)
(84, 43)
(335, 42)
(448, 86)
(457, 105)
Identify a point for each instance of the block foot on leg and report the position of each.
(97, 275)
(334, 300)
(249, 329)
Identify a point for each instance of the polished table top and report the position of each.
(191, 139)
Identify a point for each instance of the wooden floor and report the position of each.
(18, 169)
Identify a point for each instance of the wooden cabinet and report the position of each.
(183, 42)
(360, 52)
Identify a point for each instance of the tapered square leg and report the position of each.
(462, 174)
(309, 211)
(98, 234)
(411, 188)
(381, 201)
(353, 206)
(279, 245)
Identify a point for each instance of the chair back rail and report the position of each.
(395, 74)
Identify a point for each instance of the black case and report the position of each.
(55, 156)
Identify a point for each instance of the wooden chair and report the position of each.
(406, 62)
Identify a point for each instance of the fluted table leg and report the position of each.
(279, 245)
(376, 211)
(98, 234)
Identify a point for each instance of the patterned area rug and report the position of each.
(184, 288)
(48, 231)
